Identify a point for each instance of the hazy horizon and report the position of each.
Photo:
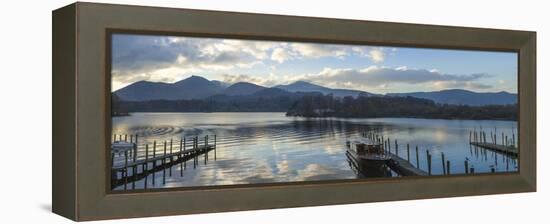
(374, 69)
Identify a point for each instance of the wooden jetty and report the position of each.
(510, 150)
(399, 165)
(141, 162)
(478, 138)
(404, 167)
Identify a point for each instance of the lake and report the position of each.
(270, 147)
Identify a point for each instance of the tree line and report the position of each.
(404, 107)
(319, 105)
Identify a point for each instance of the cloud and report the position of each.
(320, 50)
(280, 55)
(376, 55)
(382, 77)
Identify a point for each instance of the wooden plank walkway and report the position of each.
(403, 167)
(133, 169)
(498, 148)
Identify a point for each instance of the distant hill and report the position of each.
(302, 86)
(242, 88)
(198, 88)
(464, 97)
(194, 87)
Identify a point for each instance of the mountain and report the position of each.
(302, 86)
(221, 84)
(242, 88)
(194, 87)
(464, 97)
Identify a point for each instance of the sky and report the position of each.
(375, 69)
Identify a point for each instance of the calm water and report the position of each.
(270, 147)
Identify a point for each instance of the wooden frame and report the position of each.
(81, 104)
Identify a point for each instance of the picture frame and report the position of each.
(81, 111)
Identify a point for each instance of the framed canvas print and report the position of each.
(201, 111)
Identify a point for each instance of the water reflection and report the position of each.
(269, 147)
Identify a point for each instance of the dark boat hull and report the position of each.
(369, 167)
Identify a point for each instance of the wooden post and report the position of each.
(408, 154)
(194, 152)
(125, 137)
(180, 157)
(429, 158)
(466, 166)
(146, 169)
(448, 167)
(125, 169)
(134, 154)
(502, 138)
(205, 149)
(184, 159)
(163, 164)
(154, 161)
(114, 138)
(215, 147)
(112, 159)
(470, 139)
(389, 145)
(171, 157)
(396, 148)
(443, 162)
(417, 162)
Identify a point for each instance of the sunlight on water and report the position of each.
(270, 147)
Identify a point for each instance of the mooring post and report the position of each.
(417, 161)
(408, 154)
(180, 156)
(396, 148)
(389, 145)
(114, 138)
(502, 138)
(429, 159)
(154, 160)
(194, 152)
(506, 141)
(184, 159)
(163, 164)
(443, 162)
(125, 137)
(215, 147)
(125, 169)
(112, 159)
(466, 166)
(205, 149)
(448, 167)
(146, 165)
(171, 157)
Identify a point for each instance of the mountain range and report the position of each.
(196, 87)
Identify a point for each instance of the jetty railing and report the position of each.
(146, 159)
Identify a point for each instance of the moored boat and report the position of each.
(369, 157)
